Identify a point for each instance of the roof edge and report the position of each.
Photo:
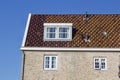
(69, 49)
(26, 30)
(76, 13)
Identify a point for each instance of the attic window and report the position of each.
(57, 31)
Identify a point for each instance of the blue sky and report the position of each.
(13, 18)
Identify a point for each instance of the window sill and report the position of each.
(57, 39)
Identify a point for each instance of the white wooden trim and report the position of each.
(58, 24)
(26, 30)
(70, 33)
(68, 49)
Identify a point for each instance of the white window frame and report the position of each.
(63, 32)
(50, 62)
(100, 66)
(58, 26)
(49, 32)
(95, 62)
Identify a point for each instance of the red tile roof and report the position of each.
(95, 26)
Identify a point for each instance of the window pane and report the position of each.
(63, 35)
(50, 35)
(63, 32)
(63, 29)
(47, 61)
(51, 32)
(51, 29)
(53, 62)
(97, 64)
(102, 63)
(47, 58)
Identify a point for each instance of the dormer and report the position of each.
(57, 31)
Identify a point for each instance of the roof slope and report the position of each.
(95, 26)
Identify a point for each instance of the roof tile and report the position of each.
(95, 26)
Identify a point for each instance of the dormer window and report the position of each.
(50, 32)
(57, 31)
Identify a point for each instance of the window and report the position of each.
(57, 31)
(63, 32)
(100, 63)
(51, 32)
(50, 62)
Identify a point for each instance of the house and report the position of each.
(71, 47)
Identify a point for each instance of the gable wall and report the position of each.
(71, 66)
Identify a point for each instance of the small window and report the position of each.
(100, 63)
(97, 64)
(63, 32)
(50, 62)
(103, 63)
(57, 31)
(51, 32)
